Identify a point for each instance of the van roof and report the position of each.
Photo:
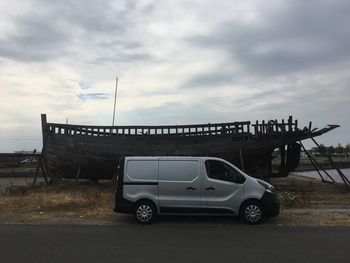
(171, 157)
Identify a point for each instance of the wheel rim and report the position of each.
(253, 213)
(144, 213)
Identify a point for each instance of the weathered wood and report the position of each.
(342, 176)
(314, 164)
(290, 120)
(96, 149)
(43, 126)
(78, 173)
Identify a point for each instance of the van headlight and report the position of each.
(268, 187)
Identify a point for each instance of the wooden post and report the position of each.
(256, 128)
(41, 161)
(263, 126)
(115, 99)
(43, 169)
(43, 126)
(276, 125)
(315, 164)
(37, 170)
(290, 120)
(342, 176)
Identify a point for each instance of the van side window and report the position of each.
(221, 171)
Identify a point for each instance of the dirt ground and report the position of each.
(304, 201)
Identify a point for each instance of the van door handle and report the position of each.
(190, 188)
(210, 188)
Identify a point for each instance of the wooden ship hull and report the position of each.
(92, 152)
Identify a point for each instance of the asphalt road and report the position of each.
(173, 243)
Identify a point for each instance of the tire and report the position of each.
(145, 212)
(252, 212)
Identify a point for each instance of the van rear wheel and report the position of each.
(145, 212)
(252, 212)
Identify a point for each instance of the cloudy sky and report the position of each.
(178, 62)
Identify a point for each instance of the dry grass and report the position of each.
(64, 200)
(303, 202)
(292, 199)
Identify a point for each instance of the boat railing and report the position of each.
(273, 126)
(238, 129)
(175, 130)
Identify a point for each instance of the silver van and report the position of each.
(152, 186)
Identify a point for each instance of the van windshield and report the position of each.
(221, 171)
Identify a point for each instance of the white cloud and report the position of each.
(177, 62)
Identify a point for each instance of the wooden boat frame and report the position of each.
(88, 151)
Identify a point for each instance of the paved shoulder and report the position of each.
(173, 243)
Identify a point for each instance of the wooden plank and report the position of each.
(290, 121)
(59, 125)
(43, 126)
(276, 125)
(263, 127)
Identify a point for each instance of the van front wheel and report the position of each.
(252, 212)
(145, 212)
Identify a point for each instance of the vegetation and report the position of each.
(304, 201)
(339, 150)
(293, 199)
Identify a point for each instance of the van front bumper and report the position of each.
(270, 203)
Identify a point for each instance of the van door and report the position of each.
(222, 187)
(179, 186)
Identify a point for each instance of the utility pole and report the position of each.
(115, 98)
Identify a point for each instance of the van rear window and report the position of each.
(142, 169)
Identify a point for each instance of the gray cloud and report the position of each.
(250, 100)
(35, 40)
(92, 96)
(293, 59)
(123, 57)
(211, 79)
(172, 113)
(294, 36)
(65, 29)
